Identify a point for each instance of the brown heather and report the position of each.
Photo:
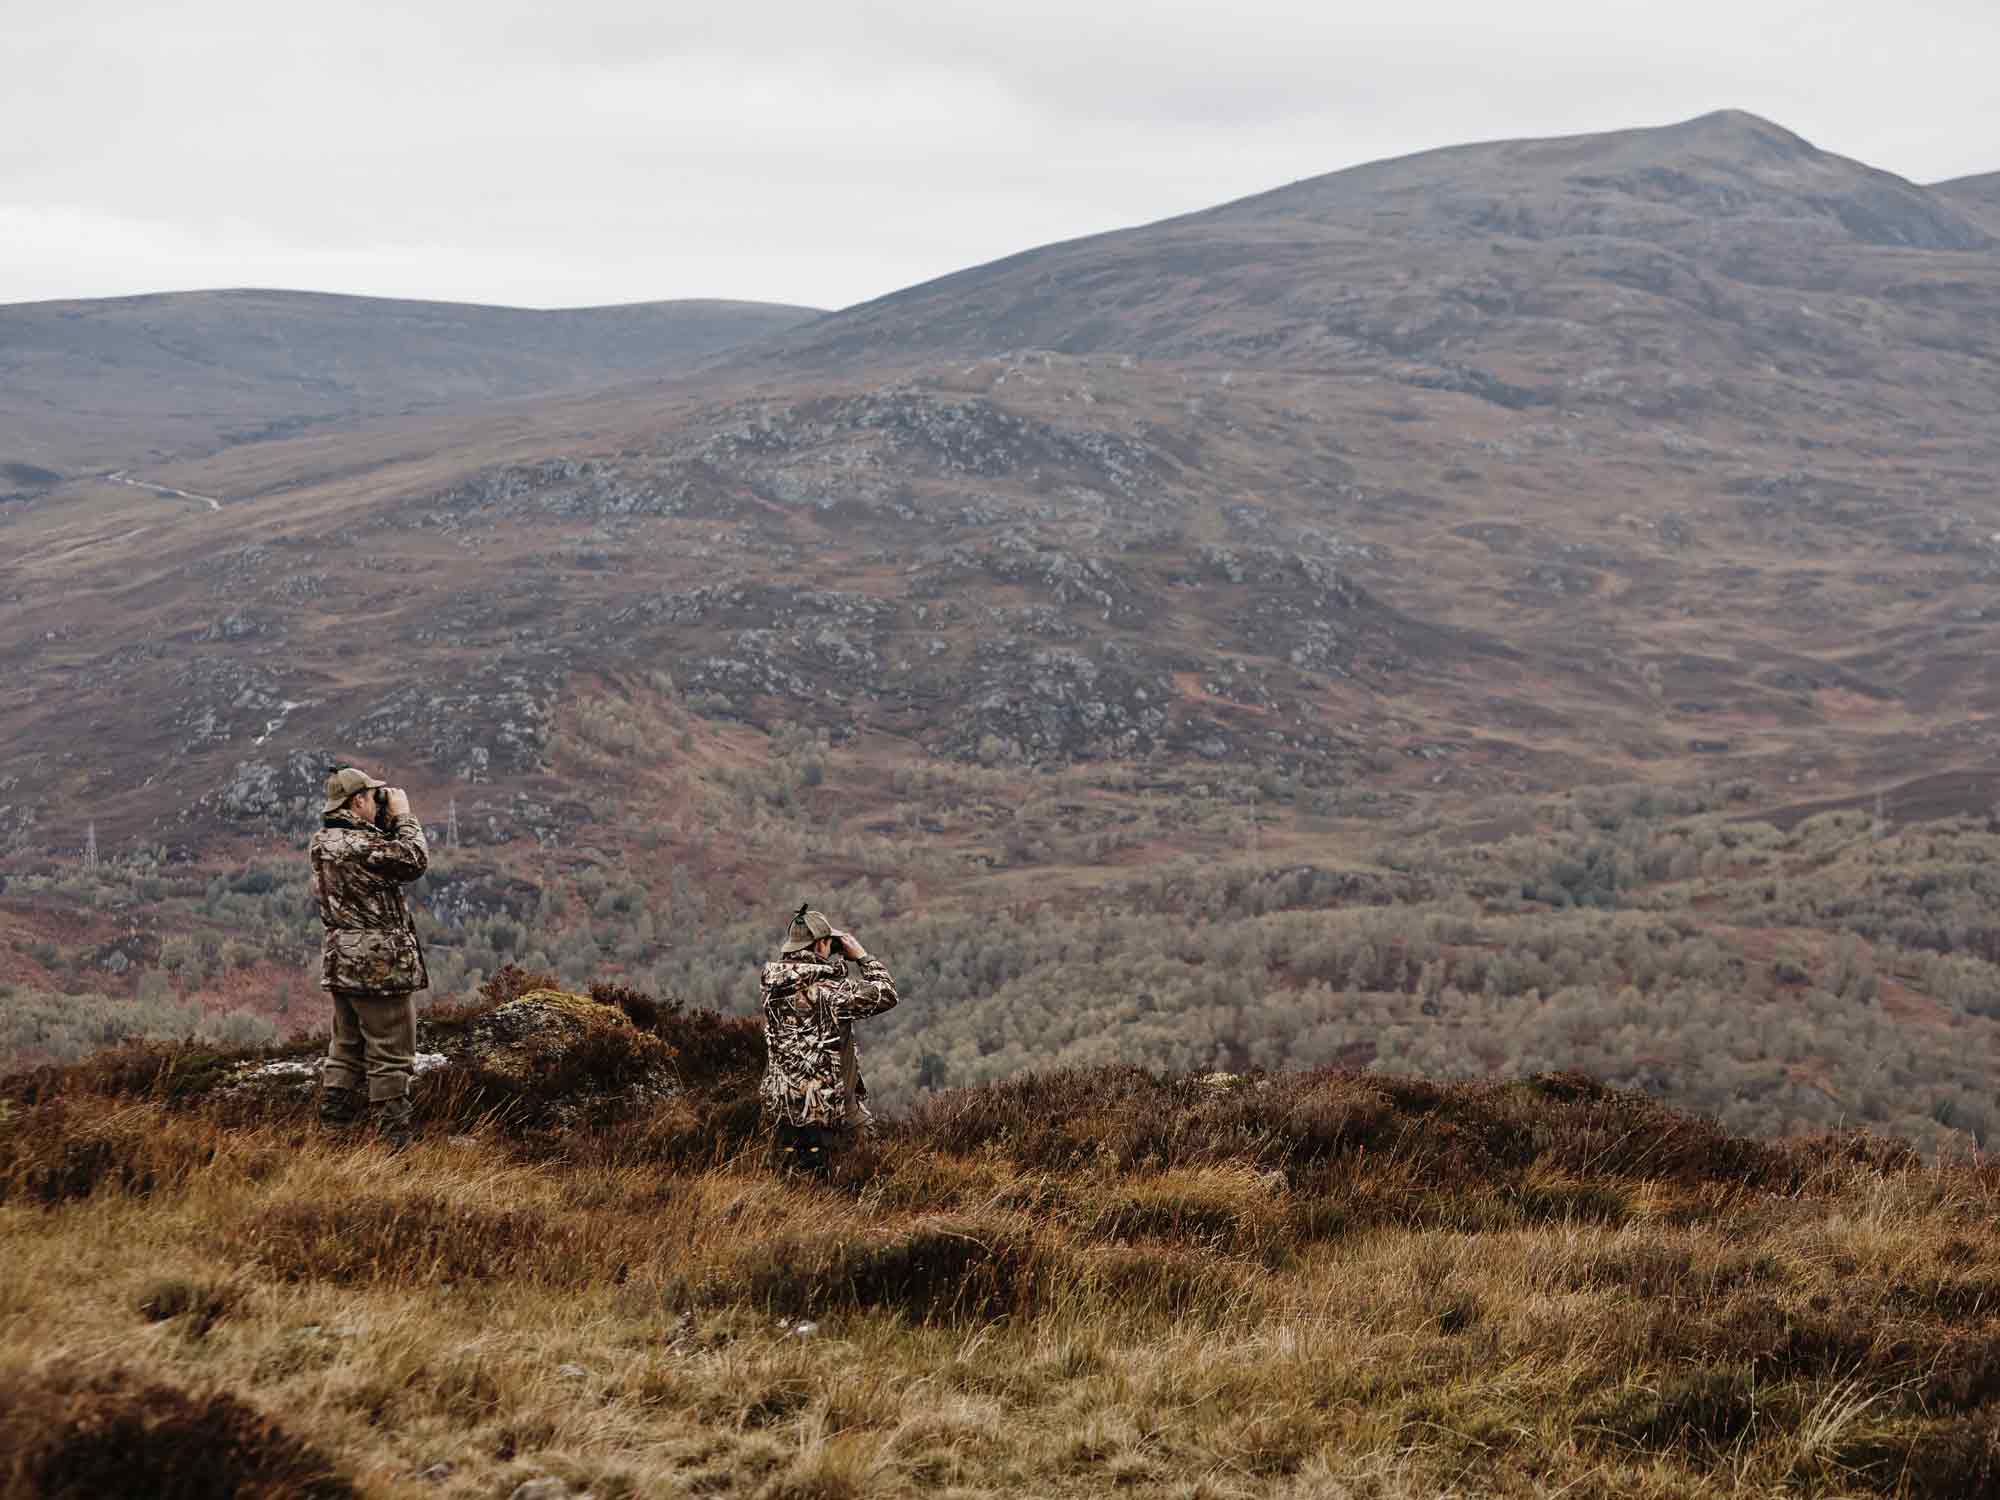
(1315, 1283)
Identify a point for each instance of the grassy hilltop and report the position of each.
(1079, 1282)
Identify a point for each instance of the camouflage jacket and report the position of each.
(807, 1001)
(358, 875)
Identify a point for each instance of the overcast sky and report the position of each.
(825, 151)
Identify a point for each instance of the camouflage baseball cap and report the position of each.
(807, 928)
(344, 783)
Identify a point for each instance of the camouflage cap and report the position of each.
(807, 928)
(343, 784)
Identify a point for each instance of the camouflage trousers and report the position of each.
(374, 1037)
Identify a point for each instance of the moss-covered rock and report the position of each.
(515, 1039)
(551, 1059)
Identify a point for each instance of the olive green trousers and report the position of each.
(374, 1037)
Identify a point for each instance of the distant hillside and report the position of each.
(91, 385)
(1543, 460)
(1979, 196)
(1513, 270)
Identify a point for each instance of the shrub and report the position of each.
(944, 1272)
(716, 1054)
(57, 1028)
(640, 1008)
(511, 982)
(70, 1439)
(171, 1071)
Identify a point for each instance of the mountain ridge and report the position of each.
(1978, 194)
(103, 383)
(1781, 205)
(1751, 163)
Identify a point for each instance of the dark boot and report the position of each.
(396, 1121)
(805, 1148)
(341, 1108)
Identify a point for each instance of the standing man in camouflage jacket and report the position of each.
(369, 846)
(812, 1090)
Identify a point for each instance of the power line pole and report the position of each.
(451, 825)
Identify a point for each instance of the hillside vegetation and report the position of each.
(1778, 969)
(1080, 1282)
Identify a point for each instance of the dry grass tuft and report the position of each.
(413, 1238)
(202, 1303)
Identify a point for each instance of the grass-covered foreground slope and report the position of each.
(1318, 1283)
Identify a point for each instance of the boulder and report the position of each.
(507, 1039)
(556, 1051)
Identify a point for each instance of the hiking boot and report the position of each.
(341, 1108)
(396, 1122)
(805, 1148)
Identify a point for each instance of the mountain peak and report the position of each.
(1728, 169)
(1727, 194)
(1737, 127)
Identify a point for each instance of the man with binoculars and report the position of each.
(368, 848)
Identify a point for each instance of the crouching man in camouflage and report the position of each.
(368, 847)
(812, 1090)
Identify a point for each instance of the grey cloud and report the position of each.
(822, 152)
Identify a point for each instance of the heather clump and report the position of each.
(69, 1437)
(936, 1271)
(1480, 1154)
(1701, 1412)
(1957, 1459)
(172, 1071)
(533, 1058)
(66, 1150)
